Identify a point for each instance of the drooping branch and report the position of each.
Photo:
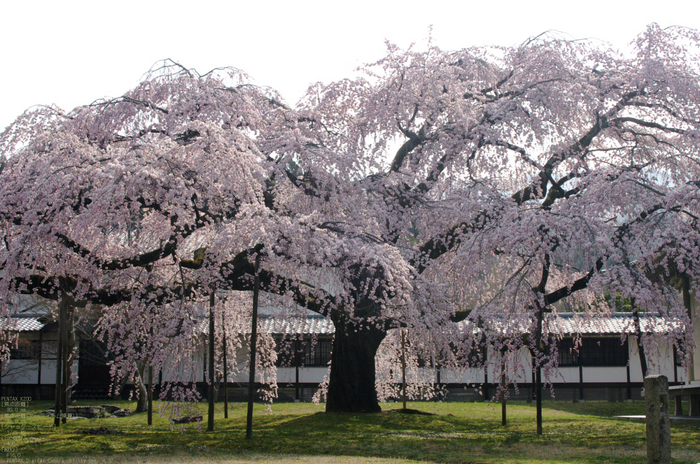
(579, 284)
(51, 288)
(413, 142)
(166, 249)
(236, 275)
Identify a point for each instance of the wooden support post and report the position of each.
(539, 349)
(580, 378)
(150, 395)
(679, 405)
(297, 365)
(695, 405)
(403, 369)
(59, 360)
(253, 343)
(39, 362)
(225, 348)
(538, 399)
(504, 417)
(66, 365)
(212, 377)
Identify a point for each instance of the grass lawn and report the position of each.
(303, 433)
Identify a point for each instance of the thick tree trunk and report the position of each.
(351, 387)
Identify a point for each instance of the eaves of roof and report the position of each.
(22, 324)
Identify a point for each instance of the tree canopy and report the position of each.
(486, 184)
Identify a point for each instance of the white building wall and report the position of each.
(567, 374)
(48, 358)
(471, 375)
(605, 374)
(312, 374)
(20, 371)
(48, 371)
(286, 375)
(26, 371)
(524, 374)
(184, 370)
(634, 363)
(660, 361)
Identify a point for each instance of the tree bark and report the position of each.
(352, 387)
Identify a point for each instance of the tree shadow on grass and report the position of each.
(602, 409)
(409, 411)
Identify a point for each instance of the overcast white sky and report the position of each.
(72, 52)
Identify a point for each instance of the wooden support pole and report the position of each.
(403, 369)
(225, 348)
(150, 395)
(66, 374)
(212, 377)
(253, 343)
(504, 416)
(538, 368)
(59, 360)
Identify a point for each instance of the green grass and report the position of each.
(303, 433)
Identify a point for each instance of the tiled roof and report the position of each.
(297, 325)
(579, 324)
(308, 325)
(563, 323)
(613, 324)
(22, 324)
